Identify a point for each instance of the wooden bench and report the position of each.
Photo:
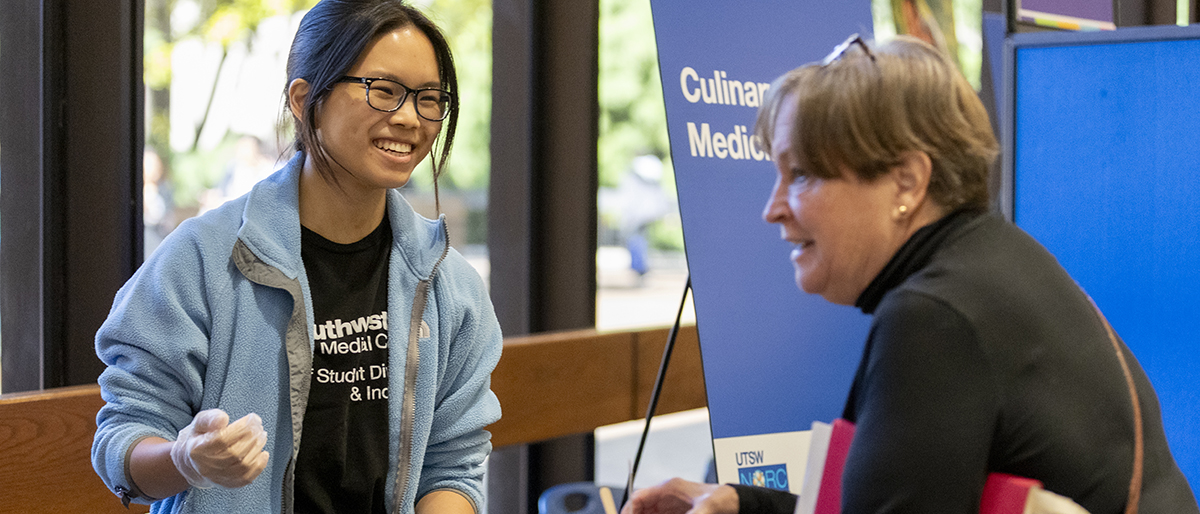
(549, 385)
(558, 384)
(45, 453)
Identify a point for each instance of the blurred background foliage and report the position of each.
(955, 26)
(193, 168)
(468, 27)
(632, 119)
(633, 123)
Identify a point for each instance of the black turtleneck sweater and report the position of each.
(984, 355)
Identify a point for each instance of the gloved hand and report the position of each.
(212, 452)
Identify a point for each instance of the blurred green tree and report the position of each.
(633, 120)
(224, 22)
(468, 28)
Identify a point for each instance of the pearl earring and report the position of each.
(902, 210)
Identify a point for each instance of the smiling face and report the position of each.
(844, 229)
(370, 149)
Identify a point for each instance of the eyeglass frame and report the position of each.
(845, 45)
(408, 91)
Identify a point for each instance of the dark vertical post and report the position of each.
(566, 177)
(71, 181)
(1162, 12)
(1131, 13)
(542, 207)
(22, 130)
(988, 95)
(102, 174)
(513, 143)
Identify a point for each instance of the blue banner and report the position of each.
(775, 358)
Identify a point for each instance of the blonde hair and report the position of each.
(866, 108)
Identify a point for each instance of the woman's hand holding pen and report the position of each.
(678, 496)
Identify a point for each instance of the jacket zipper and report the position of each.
(244, 259)
(411, 367)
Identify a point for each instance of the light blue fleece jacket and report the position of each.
(219, 317)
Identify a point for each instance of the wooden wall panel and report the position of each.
(564, 383)
(45, 453)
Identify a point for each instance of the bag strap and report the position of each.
(1135, 481)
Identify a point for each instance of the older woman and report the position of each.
(984, 355)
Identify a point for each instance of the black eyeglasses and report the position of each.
(388, 95)
(841, 49)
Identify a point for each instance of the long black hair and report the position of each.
(331, 37)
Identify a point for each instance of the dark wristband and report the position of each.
(760, 500)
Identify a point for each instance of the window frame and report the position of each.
(70, 213)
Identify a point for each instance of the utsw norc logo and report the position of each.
(751, 471)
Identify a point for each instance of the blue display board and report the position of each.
(775, 359)
(1104, 138)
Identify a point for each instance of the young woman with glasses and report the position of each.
(253, 365)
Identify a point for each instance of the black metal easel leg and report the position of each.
(658, 383)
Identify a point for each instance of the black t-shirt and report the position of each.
(343, 460)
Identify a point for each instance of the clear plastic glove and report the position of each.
(212, 452)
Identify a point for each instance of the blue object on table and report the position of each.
(575, 498)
